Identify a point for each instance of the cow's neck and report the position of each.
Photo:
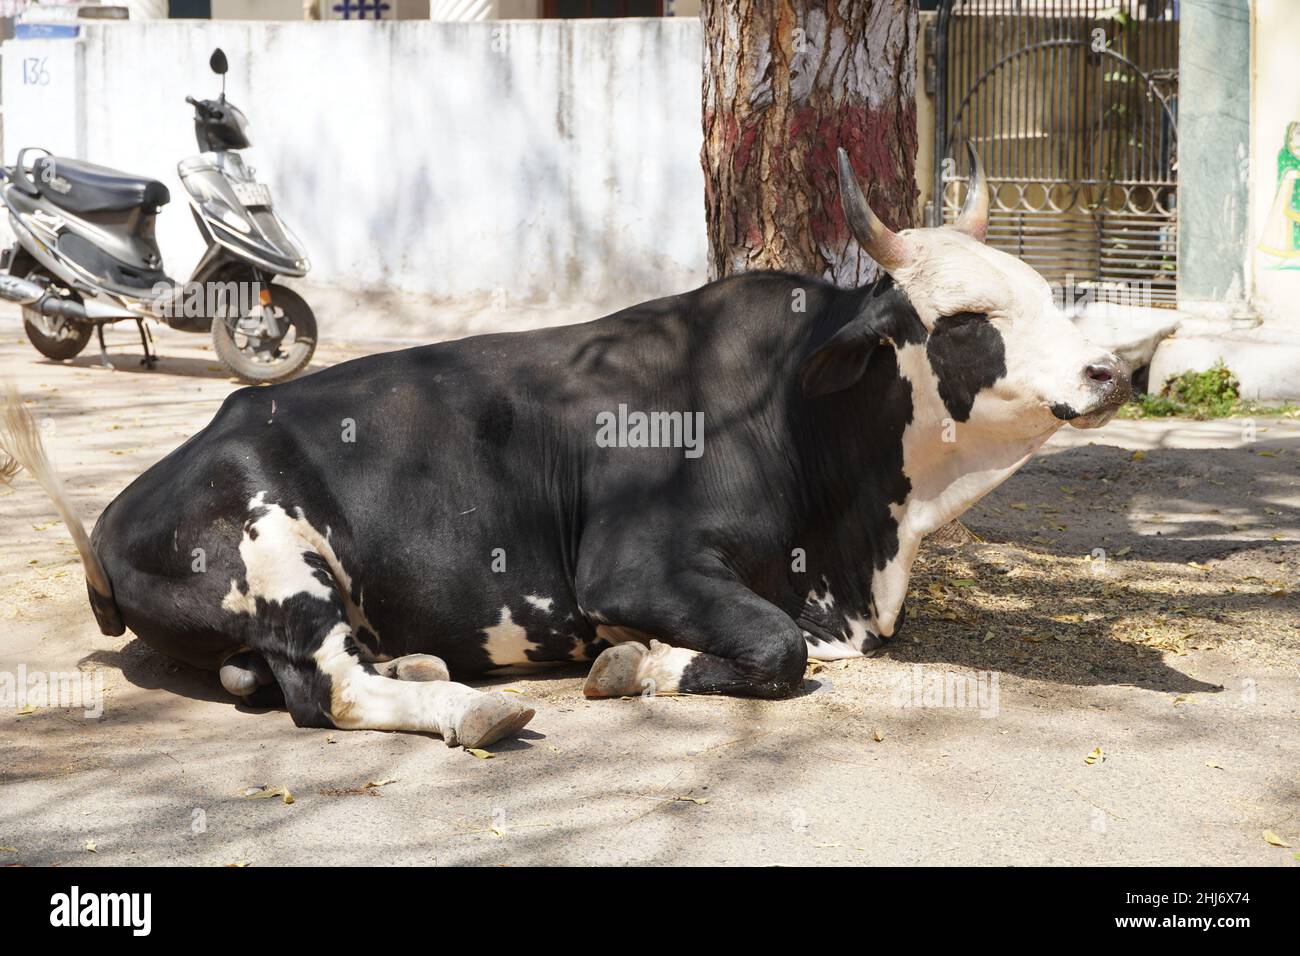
(853, 447)
(913, 470)
(950, 465)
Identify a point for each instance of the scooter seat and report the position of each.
(83, 187)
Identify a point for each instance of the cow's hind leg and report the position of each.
(292, 608)
(247, 675)
(361, 698)
(244, 672)
(332, 685)
(416, 667)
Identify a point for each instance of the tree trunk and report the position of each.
(786, 82)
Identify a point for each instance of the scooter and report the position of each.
(86, 255)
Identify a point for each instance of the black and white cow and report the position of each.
(369, 530)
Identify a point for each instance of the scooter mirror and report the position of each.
(218, 62)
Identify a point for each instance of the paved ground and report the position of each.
(1144, 604)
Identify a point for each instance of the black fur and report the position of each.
(967, 354)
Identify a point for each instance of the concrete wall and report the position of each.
(1214, 91)
(473, 163)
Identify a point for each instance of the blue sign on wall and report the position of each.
(45, 31)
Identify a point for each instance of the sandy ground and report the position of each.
(1135, 599)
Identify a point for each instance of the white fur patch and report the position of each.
(507, 642)
(542, 604)
(831, 651)
(274, 569)
(826, 601)
(660, 670)
(849, 646)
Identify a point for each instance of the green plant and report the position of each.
(1213, 393)
(1209, 394)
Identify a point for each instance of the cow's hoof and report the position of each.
(243, 673)
(416, 667)
(489, 719)
(615, 671)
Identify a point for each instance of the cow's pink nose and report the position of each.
(1111, 380)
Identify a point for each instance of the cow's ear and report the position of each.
(841, 360)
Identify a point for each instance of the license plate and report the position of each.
(253, 194)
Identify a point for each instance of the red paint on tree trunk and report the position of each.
(785, 85)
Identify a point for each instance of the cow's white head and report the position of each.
(1000, 354)
(992, 366)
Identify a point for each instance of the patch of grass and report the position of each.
(1213, 393)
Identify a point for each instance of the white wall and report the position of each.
(528, 161)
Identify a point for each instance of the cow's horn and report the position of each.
(880, 242)
(974, 216)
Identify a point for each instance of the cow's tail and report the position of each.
(21, 447)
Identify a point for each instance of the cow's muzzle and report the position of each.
(1111, 384)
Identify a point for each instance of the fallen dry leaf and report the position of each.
(879, 735)
(481, 754)
(262, 792)
(1095, 756)
(1271, 837)
(93, 847)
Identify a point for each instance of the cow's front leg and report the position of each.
(718, 638)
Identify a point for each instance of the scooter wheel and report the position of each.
(252, 360)
(55, 338)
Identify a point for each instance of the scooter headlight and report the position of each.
(226, 216)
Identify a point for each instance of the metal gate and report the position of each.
(1073, 107)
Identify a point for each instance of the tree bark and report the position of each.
(786, 82)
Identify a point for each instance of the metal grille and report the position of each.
(1072, 105)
